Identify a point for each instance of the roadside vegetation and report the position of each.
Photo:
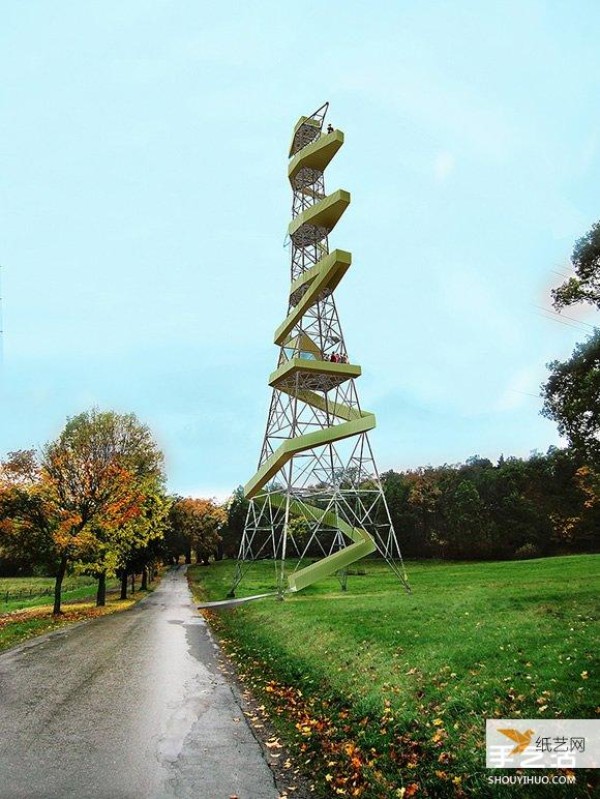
(30, 613)
(381, 694)
(27, 592)
(24, 624)
(91, 508)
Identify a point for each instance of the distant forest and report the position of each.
(519, 508)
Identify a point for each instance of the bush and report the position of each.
(528, 551)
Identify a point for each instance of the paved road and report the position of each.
(130, 706)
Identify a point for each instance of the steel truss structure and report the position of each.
(316, 498)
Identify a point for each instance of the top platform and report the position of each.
(305, 131)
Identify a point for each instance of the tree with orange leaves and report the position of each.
(26, 515)
(195, 525)
(100, 473)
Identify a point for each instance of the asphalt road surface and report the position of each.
(129, 706)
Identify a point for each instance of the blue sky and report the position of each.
(144, 203)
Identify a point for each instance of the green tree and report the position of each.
(572, 398)
(467, 524)
(586, 263)
(175, 543)
(572, 392)
(232, 531)
(397, 487)
(130, 545)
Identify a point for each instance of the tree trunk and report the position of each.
(188, 556)
(132, 582)
(124, 585)
(62, 568)
(101, 593)
(144, 579)
(220, 550)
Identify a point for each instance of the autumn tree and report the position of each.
(196, 524)
(100, 472)
(20, 468)
(423, 498)
(136, 545)
(542, 505)
(27, 516)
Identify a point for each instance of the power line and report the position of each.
(562, 322)
(526, 393)
(565, 316)
(562, 274)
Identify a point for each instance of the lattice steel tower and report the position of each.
(316, 493)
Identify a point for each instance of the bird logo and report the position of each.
(522, 740)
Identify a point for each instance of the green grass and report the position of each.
(378, 690)
(29, 592)
(19, 631)
(23, 624)
(30, 616)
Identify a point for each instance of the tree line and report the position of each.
(94, 500)
(547, 504)
(517, 508)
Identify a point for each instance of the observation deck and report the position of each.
(315, 223)
(312, 375)
(310, 162)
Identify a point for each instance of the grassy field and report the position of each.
(30, 615)
(28, 592)
(384, 695)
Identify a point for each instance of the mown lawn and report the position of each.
(382, 694)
